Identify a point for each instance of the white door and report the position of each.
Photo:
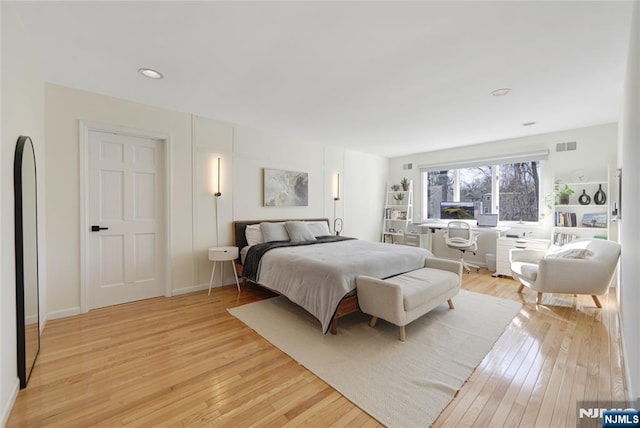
(125, 213)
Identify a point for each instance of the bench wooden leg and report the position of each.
(595, 299)
(334, 326)
(373, 321)
(520, 288)
(539, 299)
(402, 334)
(450, 302)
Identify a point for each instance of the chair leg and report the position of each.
(597, 302)
(539, 299)
(373, 321)
(467, 266)
(403, 337)
(520, 288)
(450, 302)
(470, 265)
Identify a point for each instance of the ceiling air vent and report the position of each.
(566, 147)
(407, 166)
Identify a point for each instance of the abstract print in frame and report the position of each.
(285, 188)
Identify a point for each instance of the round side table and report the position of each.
(223, 254)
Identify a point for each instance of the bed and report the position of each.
(317, 273)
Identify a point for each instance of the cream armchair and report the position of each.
(583, 266)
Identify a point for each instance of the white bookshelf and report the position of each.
(398, 213)
(580, 220)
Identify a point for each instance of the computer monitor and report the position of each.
(487, 220)
(456, 211)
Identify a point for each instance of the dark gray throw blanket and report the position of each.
(255, 253)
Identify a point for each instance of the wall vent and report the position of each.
(566, 147)
(407, 166)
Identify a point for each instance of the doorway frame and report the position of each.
(85, 127)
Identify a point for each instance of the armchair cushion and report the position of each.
(528, 271)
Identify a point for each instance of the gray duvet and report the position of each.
(318, 276)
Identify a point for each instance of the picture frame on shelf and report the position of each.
(595, 220)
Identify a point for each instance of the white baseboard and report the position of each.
(63, 313)
(200, 287)
(43, 322)
(631, 395)
(6, 409)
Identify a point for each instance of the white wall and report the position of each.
(194, 143)
(22, 113)
(596, 151)
(64, 108)
(629, 225)
(365, 179)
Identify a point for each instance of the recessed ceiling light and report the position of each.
(150, 73)
(528, 123)
(500, 92)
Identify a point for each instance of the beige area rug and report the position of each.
(401, 384)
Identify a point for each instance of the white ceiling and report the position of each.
(388, 78)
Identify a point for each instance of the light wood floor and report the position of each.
(186, 361)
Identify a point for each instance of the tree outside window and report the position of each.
(519, 185)
(518, 190)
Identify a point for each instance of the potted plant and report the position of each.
(395, 187)
(399, 197)
(405, 184)
(562, 193)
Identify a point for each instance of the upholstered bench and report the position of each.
(404, 298)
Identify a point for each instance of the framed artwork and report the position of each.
(594, 220)
(285, 188)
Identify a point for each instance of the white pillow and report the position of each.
(319, 228)
(253, 233)
(571, 253)
(274, 232)
(299, 231)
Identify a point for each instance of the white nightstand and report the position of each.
(223, 254)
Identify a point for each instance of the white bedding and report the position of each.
(318, 276)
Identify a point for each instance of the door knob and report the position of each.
(96, 228)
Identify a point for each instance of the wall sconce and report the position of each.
(218, 194)
(214, 173)
(337, 221)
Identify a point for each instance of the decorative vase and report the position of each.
(600, 198)
(584, 199)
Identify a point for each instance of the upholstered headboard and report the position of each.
(239, 228)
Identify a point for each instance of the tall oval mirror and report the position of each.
(26, 242)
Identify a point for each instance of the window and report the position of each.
(515, 196)
(519, 185)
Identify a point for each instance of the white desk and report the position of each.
(431, 228)
(443, 225)
(418, 240)
(223, 254)
(432, 234)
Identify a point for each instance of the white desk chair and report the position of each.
(459, 236)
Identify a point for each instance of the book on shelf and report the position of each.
(395, 214)
(561, 238)
(566, 219)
